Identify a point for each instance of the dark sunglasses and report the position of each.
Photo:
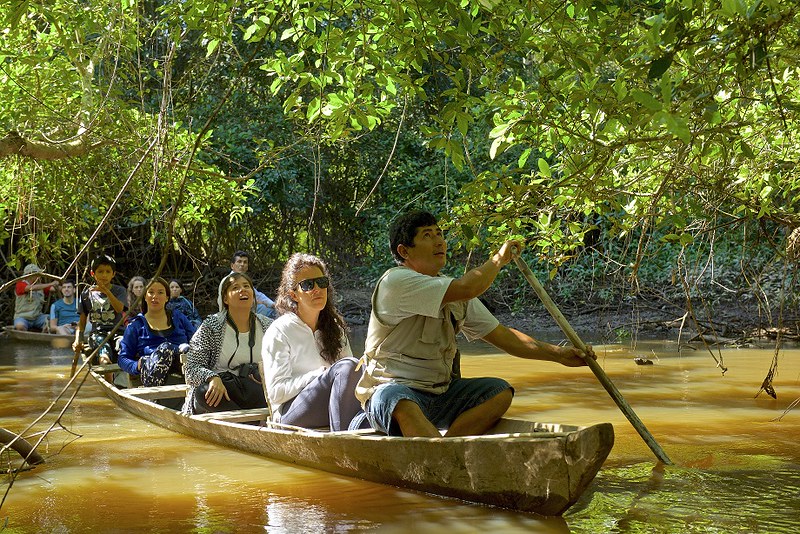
(308, 284)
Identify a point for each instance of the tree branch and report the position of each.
(14, 144)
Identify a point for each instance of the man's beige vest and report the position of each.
(29, 305)
(418, 352)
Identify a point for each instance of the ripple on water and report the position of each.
(640, 498)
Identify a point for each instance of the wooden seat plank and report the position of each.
(255, 414)
(159, 392)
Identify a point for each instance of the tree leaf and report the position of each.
(678, 127)
(647, 100)
(495, 147)
(523, 158)
(544, 168)
(659, 66)
(212, 45)
(746, 150)
(252, 29)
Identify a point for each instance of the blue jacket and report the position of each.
(185, 306)
(139, 340)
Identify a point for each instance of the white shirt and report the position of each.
(405, 293)
(240, 352)
(291, 356)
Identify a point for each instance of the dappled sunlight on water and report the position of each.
(736, 470)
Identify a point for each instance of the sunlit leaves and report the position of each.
(732, 8)
(579, 108)
(544, 168)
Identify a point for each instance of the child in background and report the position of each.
(103, 305)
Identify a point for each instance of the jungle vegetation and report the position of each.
(636, 146)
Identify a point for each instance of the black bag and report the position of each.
(244, 386)
(243, 382)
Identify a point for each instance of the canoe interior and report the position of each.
(521, 465)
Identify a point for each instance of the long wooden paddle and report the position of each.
(75, 357)
(593, 365)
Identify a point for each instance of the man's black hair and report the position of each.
(405, 227)
(239, 254)
(104, 259)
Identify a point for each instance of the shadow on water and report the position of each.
(736, 470)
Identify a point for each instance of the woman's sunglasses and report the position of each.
(308, 284)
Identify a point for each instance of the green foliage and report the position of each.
(545, 121)
(714, 270)
(621, 111)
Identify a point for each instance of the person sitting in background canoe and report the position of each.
(412, 384)
(64, 314)
(155, 338)
(240, 263)
(222, 362)
(310, 372)
(178, 302)
(135, 292)
(103, 305)
(30, 295)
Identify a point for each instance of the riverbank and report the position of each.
(727, 323)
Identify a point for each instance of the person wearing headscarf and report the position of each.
(222, 362)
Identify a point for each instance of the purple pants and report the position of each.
(329, 400)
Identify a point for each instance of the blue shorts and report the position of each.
(441, 409)
(37, 324)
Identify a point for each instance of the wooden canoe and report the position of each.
(30, 335)
(521, 465)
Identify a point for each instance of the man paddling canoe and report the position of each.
(411, 386)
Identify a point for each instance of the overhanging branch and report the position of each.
(14, 144)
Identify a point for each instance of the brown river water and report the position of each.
(736, 468)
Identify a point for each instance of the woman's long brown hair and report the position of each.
(331, 324)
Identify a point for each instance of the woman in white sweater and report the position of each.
(308, 365)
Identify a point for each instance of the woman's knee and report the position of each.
(345, 364)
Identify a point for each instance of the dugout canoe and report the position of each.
(29, 335)
(532, 467)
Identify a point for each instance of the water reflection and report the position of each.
(763, 499)
(736, 469)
